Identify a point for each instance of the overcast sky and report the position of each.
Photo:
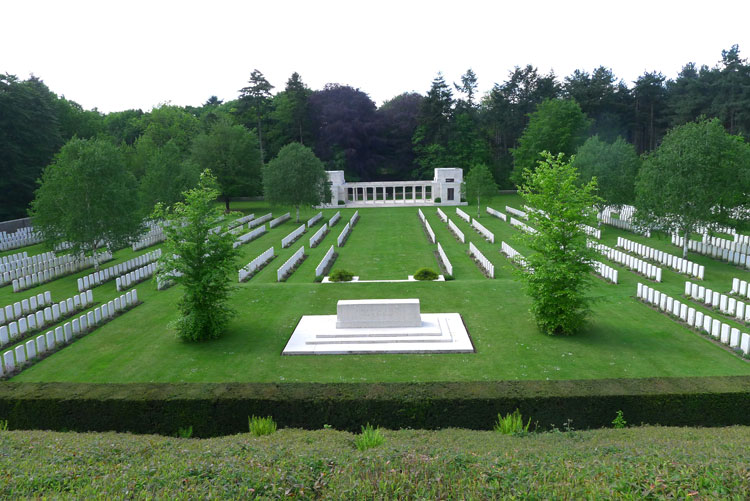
(117, 55)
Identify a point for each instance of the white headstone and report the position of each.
(41, 344)
(49, 337)
(20, 353)
(59, 336)
(30, 349)
(9, 361)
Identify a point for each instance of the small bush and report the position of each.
(448, 277)
(438, 200)
(425, 274)
(318, 278)
(341, 276)
(369, 438)
(186, 432)
(511, 424)
(261, 426)
(619, 421)
(342, 202)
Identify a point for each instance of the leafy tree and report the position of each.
(167, 175)
(479, 183)
(200, 259)
(557, 125)
(124, 126)
(558, 270)
(295, 177)
(170, 123)
(255, 99)
(614, 166)
(732, 95)
(602, 99)
(87, 198)
(467, 88)
(697, 177)
(231, 153)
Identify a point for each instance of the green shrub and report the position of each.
(369, 438)
(426, 274)
(437, 200)
(185, 432)
(3, 425)
(318, 278)
(448, 277)
(341, 276)
(261, 426)
(619, 421)
(342, 202)
(511, 424)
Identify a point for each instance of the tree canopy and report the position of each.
(558, 125)
(87, 198)
(698, 177)
(231, 152)
(295, 177)
(614, 166)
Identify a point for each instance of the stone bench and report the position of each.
(378, 313)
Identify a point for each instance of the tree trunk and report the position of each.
(478, 208)
(260, 141)
(685, 244)
(226, 202)
(297, 213)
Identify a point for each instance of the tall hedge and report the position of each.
(222, 409)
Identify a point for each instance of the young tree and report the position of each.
(557, 125)
(87, 198)
(698, 176)
(559, 268)
(479, 183)
(295, 177)
(166, 175)
(613, 165)
(200, 259)
(231, 153)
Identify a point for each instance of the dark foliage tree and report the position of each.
(348, 135)
(29, 137)
(398, 119)
(255, 102)
(434, 133)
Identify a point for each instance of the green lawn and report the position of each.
(624, 339)
(634, 463)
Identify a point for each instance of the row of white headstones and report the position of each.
(79, 264)
(113, 272)
(16, 359)
(41, 317)
(693, 318)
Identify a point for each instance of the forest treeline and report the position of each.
(404, 138)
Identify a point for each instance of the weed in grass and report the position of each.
(186, 432)
(261, 426)
(369, 438)
(619, 421)
(3, 425)
(512, 424)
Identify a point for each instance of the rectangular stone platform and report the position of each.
(437, 333)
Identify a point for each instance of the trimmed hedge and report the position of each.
(214, 409)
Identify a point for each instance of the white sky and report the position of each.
(116, 55)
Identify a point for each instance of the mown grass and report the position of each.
(633, 463)
(624, 339)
